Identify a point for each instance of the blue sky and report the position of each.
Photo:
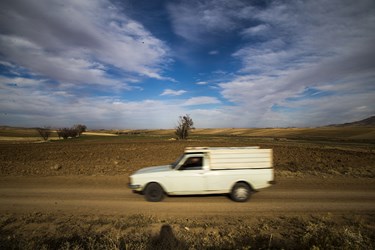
(226, 63)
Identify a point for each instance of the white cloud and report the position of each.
(60, 109)
(329, 109)
(196, 20)
(213, 52)
(74, 41)
(202, 83)
(173, 92)
(201, 100)
(304, 46)
(258, 30)
(23, 103)
(21, 82)
(7, 64)
(288, 47)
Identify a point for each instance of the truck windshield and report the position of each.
(174, 164)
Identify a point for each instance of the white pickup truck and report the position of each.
(237, 171)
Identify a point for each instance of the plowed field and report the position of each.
(120, 155)
(72, 194)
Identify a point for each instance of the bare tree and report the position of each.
(44, 132)
(65, 133)
(185, 124)
(80, 128)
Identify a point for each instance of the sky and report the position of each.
(140, 64)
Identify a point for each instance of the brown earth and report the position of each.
(72, 194)
(121, 156)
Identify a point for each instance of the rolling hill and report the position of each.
(368, 122)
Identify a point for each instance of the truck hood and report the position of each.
(156, 169)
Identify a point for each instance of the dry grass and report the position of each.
(99, 134)
(48, 231)
(322, 133)
(364, 133)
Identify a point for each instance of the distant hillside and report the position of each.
(368, 122)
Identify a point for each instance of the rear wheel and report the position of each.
(241, 192)
(154, 192)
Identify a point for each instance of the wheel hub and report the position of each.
(241, 193)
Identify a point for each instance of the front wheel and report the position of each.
(241, 192)
(154, 192)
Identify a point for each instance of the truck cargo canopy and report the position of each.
(236, 157)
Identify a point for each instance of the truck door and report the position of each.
(189, 178)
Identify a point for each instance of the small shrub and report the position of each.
(66, 133)
(44, 132)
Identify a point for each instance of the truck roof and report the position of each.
(207, 149)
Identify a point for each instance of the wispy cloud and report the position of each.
(253, 31)
(21, 82)
(77, 41)
(58, 60)
(201, 100)
(202, 83)
(172, 92)
(196, 20)
(255, 63)
(307, 45)
(40, 107)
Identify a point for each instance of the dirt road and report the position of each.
(109, 195)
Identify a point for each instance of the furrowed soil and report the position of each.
(121, 156)
(72, 194)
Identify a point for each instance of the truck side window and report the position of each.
(192, 163)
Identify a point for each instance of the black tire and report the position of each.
(154, 192)
(241, 192)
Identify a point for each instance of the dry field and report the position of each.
(72, 194)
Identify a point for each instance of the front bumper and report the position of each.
(134, 186)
